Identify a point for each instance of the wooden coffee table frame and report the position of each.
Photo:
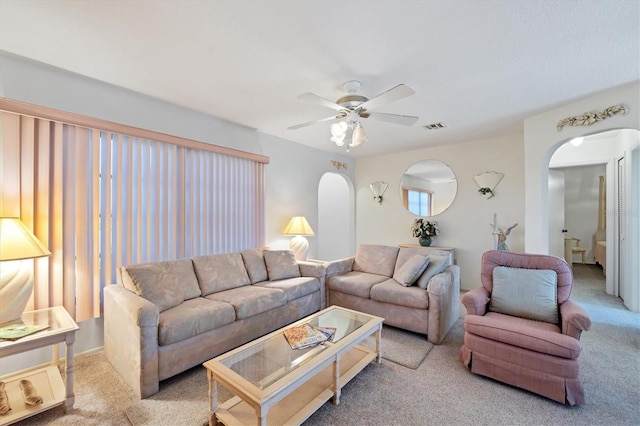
(318, 379)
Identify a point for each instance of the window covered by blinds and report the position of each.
(99, 200)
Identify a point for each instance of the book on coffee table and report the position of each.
(18, 330)
(327, 331)
(304, 336)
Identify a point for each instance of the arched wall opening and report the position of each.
(613, 155)
(541, 138)
(336, 217)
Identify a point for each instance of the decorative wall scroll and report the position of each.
(588, 118)
(338, 165)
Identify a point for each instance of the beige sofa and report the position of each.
(417, 289)
(163, 318)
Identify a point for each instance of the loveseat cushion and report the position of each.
(376, 259)
(219, 272)
(251, 300)
(534, 335)
(281, 264)
(254, 263)
(295, 288)
(355, 283)
(390, 291)
(165, 284)
(411, 270)
(193, 317)
(437, 264)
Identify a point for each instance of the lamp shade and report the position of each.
(17, 242)
(298, 225)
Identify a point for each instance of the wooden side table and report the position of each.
(46, 380)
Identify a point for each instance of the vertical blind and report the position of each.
(99, 200)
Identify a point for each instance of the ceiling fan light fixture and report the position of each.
(338, 132)
(358, 137)
(352, 107)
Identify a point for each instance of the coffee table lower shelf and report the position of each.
(296, 407)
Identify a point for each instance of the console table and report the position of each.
(46, 380)
(449, 250)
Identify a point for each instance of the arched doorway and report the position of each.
(336, 228)
(616, 155)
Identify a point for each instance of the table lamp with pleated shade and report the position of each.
(17, 245)
(299, 227)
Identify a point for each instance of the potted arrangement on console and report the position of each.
(424, 230)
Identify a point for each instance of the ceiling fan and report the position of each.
(352, 107)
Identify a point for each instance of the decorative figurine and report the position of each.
(500, 236)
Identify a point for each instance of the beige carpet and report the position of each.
(402, 347)
(182, 400)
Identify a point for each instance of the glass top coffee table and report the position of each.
(274, 384)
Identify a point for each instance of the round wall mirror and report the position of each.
(428, 188)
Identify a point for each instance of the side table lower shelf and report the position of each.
(48, 384)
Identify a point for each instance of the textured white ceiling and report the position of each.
(480, 67)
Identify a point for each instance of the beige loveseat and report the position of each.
(163, 318)
(417, 289)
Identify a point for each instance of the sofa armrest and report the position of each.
(131, 338)
(316, 270)
(340, 266)
(476, 301)
(444, 303)
(574, 319)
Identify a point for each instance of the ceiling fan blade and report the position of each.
(312, 97)
(393, 94)
(298, 126)
(405, 120)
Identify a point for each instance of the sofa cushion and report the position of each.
(164, 284)
(537, 336)
(295, 288)
(251, 300)
(376, 259)
(281, 264)
(437, 264)
(409, 272)
(254, 263)
(219, 272)
(355, 283)
(193, 317)
(390, 291)
(527, 293)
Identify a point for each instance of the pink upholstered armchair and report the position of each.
(521, 327)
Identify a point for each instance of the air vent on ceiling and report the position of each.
(435, 126)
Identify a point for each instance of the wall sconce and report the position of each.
(17, 243)
(487, 181)
(299, 227)
(378, 188)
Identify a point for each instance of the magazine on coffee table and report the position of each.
(305, 335)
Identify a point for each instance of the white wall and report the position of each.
(465, 226)
(291, 177)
